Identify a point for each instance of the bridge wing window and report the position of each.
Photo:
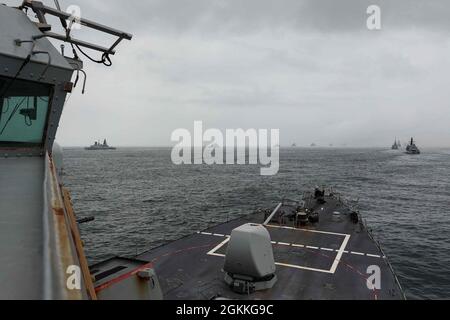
(24, 107)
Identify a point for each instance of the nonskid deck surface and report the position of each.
(325, 260)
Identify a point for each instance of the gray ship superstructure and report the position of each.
(316, 248)
(411, 148)
(41, 252)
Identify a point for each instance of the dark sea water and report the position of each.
(140, 200)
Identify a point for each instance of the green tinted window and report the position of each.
(23, 111)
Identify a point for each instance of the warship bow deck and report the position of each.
(328, 259)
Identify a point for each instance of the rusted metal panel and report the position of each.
(78, 244)
(59, 248)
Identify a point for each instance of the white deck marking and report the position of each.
(213, 234)
(336, 261)
(279, 264)
(272, 214)
(299, 245)
(340, 252)
(220, 245)
(326, 249)
(339, 255)
(302, 267)
(306, 230)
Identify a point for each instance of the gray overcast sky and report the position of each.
(309, 68)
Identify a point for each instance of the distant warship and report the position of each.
(100, 146)
(396, 145)
(411, 148)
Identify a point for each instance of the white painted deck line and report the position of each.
(220, 245)
(339, 255)
(296, 245)
(272, 214)
(307, 230)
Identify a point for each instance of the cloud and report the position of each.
(210, 17)
(309, 68)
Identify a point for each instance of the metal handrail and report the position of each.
(41, 10)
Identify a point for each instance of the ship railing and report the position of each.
(63, 249)
(378, 244)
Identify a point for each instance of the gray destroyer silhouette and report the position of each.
(411, 148)
(397, 145)
(100, 146)
(315, 248)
